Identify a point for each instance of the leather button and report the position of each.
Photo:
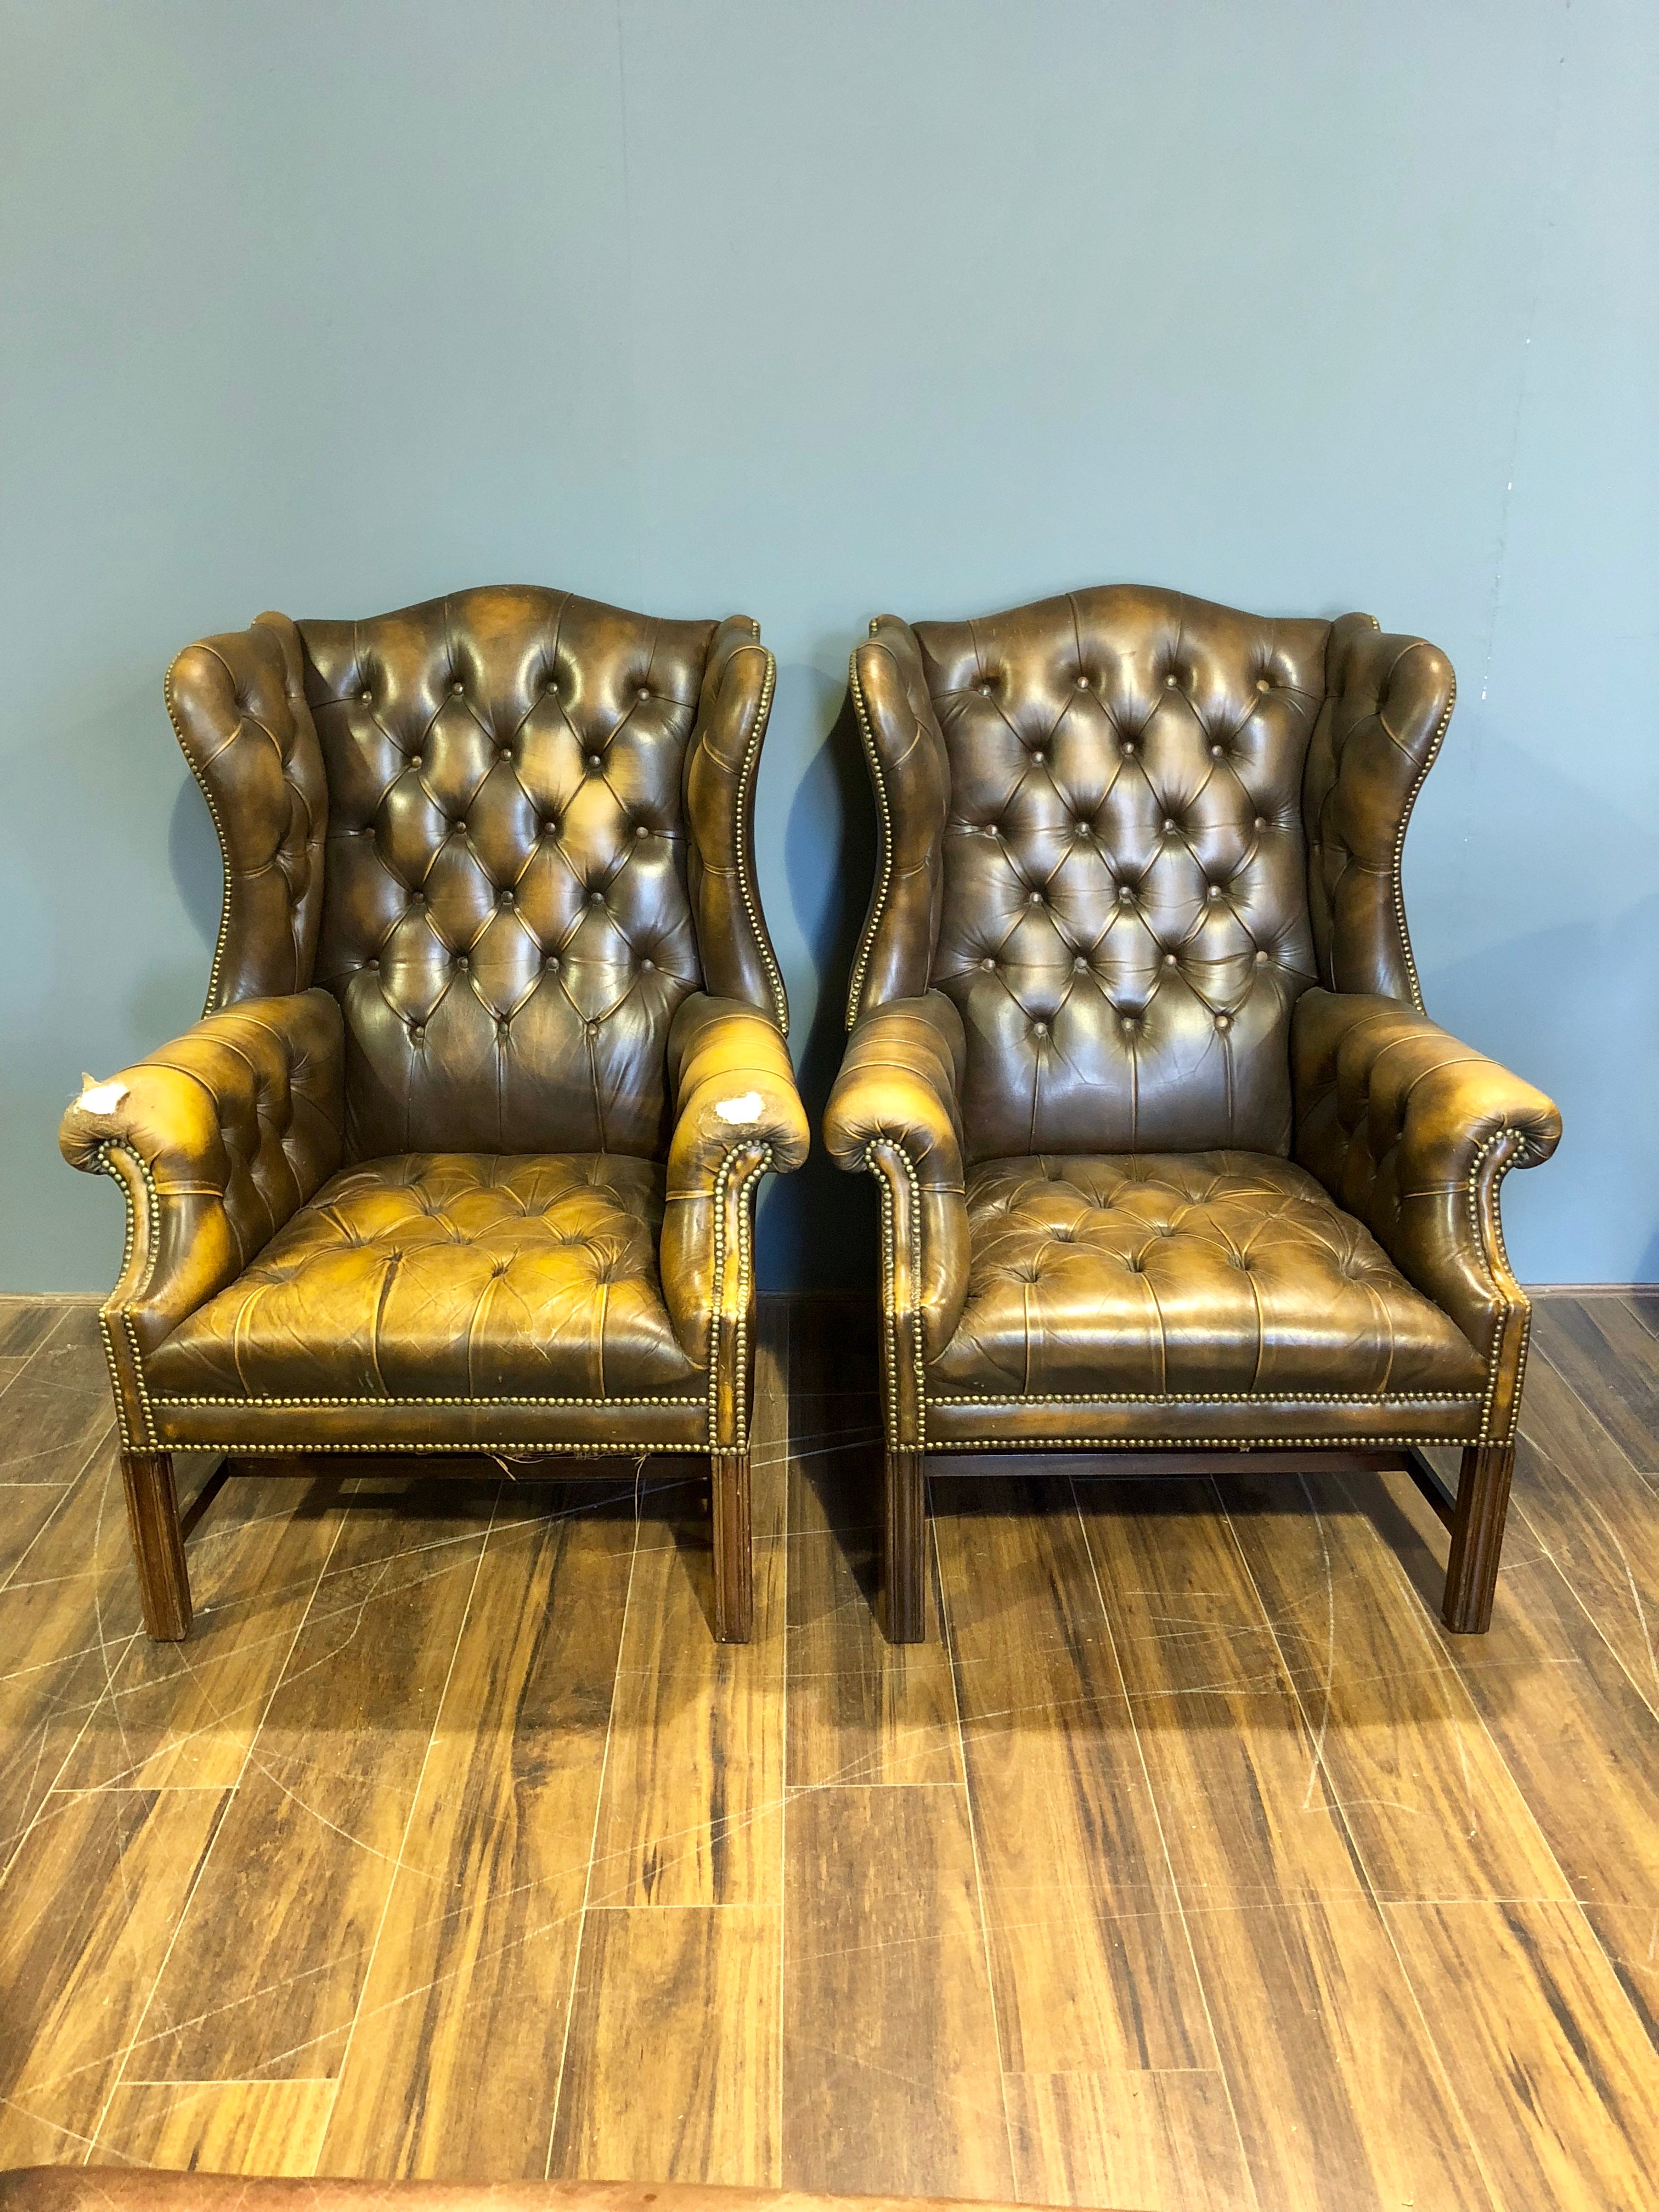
(1170, 961)
(418, 1033)
(988, 965)
(639, 831)
(364, 697)
(1170, 681)
(1169, 825)
(1039, 1028)
(594, 761)
(1263, 684)
(1082, 683)
(462, 963)
(508, 899)
(371, 962)
(1260, 959)
(1080, 964)
(1039, 753)
(1033, 898)
(456, 689)
(1223, 1021)
(417, 760)
(994, 828)
(1261, 820)
(644, 692)
(1214, 891)
(596, 898)
(550, 961)
(1130, 748)
(648, 966)
(1215, 752)
(983, 688)
(592, 1029)
(1125, 895)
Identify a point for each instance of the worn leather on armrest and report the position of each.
(219, 1138)
(898, 1087)
(1412, 1132)
(734, 1094)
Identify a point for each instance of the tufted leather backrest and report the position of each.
(501, 828)
(238, 706)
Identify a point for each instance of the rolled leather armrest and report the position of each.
(897, 1093)
(737, 1112)
(217, 1138)
(1413, 1132)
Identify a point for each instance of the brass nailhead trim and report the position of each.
(740, 1328)
(392, 1404)
(746, 885)
(884, 882)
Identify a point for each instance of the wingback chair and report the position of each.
(462, 1155)
(1171, 1159)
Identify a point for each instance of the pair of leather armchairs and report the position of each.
(462, 1155)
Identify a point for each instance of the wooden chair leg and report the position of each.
(734, 1554)
(907, 1548)
(1477, 1537)
(158, 1543)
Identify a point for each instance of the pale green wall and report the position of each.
(813, 309)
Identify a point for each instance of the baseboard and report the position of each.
(1590, 1290)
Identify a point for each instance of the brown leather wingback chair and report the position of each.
(1170, 1157)
(462, 1155)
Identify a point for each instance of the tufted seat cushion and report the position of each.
(1201, 1274)
(445, 1276)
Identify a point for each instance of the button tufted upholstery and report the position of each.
(1136, 940)
(1195, 1274)
(463, 1151)
(448, 1275)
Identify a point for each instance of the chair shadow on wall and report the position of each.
(818, 1227)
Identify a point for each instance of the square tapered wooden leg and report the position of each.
(158, 1543)
(734, 1553)
(907, 1548)
(1477, 1537)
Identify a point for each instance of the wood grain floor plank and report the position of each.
(216, 2127)
(1629, 1933)
(453, 2065)
(1609, 1357)
(260, 1984)
(1166, 2141)
(88, 1912)
(647, 2097)
(892, 2080)
(1424, 1789)
(860, 1709)
(25, 1510)
(1580, 1497)
(58, 1410)
(691, 1808)
(1339, 2097)
(26, 1323)
(1571, 1726)
(182, 1716)
(67, 1619)
(1563, 2097)
(1091, 1964)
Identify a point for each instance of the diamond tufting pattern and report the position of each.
(1194, 1274)
(453, 1275)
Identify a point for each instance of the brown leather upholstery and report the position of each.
(1136, 941)
(1213, 1276)
(464, 1152)
(146, 2189)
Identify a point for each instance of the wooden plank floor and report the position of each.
(1193, 1865)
